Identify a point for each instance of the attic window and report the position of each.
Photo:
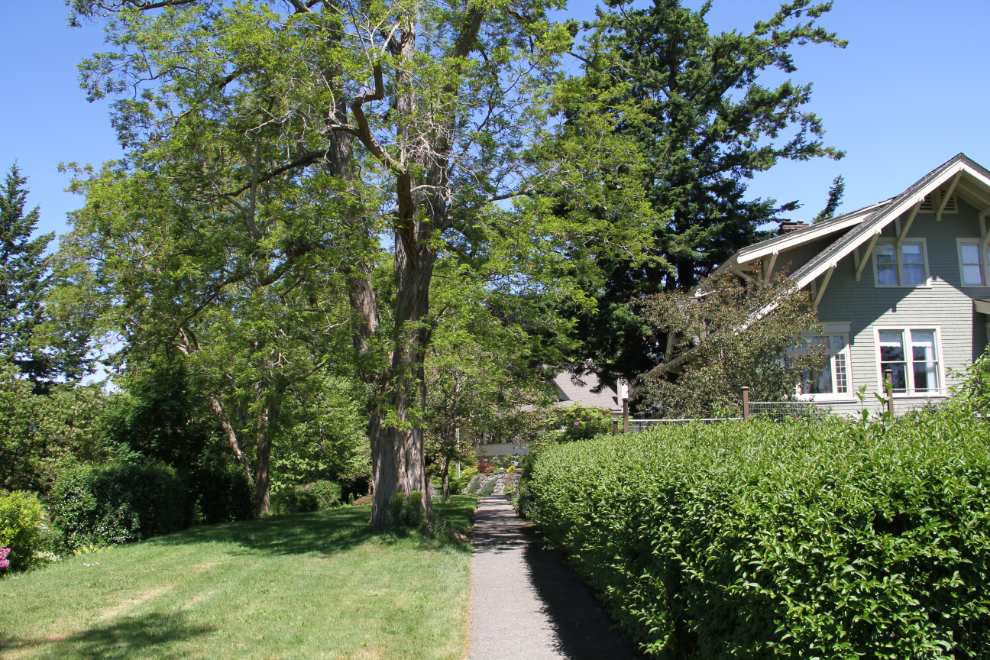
(929, 205)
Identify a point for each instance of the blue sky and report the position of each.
(906, 95)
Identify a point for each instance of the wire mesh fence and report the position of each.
(640, 425)
(778, 411)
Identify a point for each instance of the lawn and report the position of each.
(320, 585)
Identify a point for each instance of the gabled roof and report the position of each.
(971, 180)
(965, 176)
(573, 389)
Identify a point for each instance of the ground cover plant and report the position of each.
(317, 585)
(827, 539)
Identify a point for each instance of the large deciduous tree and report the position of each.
(394, 126)
(711, 124)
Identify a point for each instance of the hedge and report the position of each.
(119, 503)
(827, 539)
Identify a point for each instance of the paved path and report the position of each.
(525, 603)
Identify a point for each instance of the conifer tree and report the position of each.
(23, 280)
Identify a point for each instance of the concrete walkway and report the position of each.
(525, 603)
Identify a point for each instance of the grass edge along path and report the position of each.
(319, 585)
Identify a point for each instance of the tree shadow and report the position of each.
(582, 631)
(150, 635)
(324, 533)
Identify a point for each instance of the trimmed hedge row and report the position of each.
(824, 539)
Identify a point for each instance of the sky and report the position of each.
(902, 98)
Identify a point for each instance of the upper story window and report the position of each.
(972, 262)
(904, 265)
(913, 357)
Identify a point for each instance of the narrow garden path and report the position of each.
(525, 603)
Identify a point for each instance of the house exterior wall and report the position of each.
(944, 304)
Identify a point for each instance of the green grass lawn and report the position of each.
(320, 585)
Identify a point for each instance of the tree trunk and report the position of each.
(262, 478)
(445, 477)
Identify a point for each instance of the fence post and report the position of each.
(615, 426)
(625, 415)
(746, 404)
(888, 386)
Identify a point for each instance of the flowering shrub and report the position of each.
(20, 529)
(4, 562)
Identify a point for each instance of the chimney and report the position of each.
(787, 226)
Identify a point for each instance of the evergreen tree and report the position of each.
(709, 126)
(23, 281)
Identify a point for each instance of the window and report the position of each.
(972, 263)
(906, 265)
(834, 377)
(912, 356)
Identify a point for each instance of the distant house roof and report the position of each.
(573, 389)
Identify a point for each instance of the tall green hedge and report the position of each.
(115, 504)
(827, 539)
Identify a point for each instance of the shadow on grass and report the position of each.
(326, 532)
(147, 636)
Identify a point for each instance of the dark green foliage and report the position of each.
(23, 280)
(831, 539)
(709, 124)
(406, 511)
(21, 518)
(294, 499)
(220, 492)
(118, 503)
(835, 194)
(162, 415)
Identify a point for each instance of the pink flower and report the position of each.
(577, 423)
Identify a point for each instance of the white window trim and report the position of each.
(983, 261)
(850, 393)
(943, 390)
(900, 265)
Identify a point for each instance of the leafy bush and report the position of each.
(294, 499)
(329, 494)
(583, 423)
(118, 503)
(21, 517)
(459, 484)
(807, 539)
(472, 487)
(220, 492)
(406, 511)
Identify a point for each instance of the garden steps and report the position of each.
(525, 603)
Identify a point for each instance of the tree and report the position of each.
(835, 193)
(710, 126)
(730, 335)
(481, 380)
(403, 122)
(23, 281)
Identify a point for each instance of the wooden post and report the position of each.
(746, 404)
(615, 426)
(888, 386)
(625, 415)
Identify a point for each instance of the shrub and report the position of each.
(329, 494)
(118, 503)
(220, 492)
(295, 499)
(472, 487)
(583, 423)
(459, 484)
(806, 539)
(20, 529)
